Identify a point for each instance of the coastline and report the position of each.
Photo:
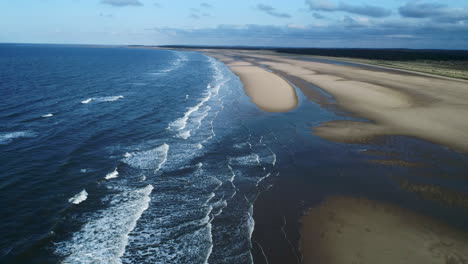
(416, 105)
(231, 182)
(393, 104)
(368, 231)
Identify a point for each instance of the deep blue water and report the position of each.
(117, 155)
(110, 155)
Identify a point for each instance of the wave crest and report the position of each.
(103, 99)
(78, 198)
(6, 138)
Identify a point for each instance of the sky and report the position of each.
(440, 24)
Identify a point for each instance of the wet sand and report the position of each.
(410, 104)
(344, 229)
(350, 230)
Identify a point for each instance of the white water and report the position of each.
(200, 111)
(152, 159)
(104, 238)
(112, 175)
(6, 138)
(180, 123)
(178, 227)
(102, 99)
(78, 198)
(249, 160)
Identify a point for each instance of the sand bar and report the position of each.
(412, 104)
(266, 90)
(344, 230)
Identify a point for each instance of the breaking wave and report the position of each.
(104, 238)
(78, 198)
(102, 99)
(6, 138)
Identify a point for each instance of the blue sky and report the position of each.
(301, 23)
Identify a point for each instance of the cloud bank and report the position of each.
(348, 32)
(364, 9)
(272, 11)
(434, 11)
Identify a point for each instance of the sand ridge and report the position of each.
(266, 90)
(411, 104)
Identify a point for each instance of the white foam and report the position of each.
(185, 134)
(200, 119)
(250, 223)
(200, 110)
(177, 63)
(6, 138)
(48, 115)
(78, 198)
(180, 123)
(104, 238)
(273, 162)
(231, 180)
(210, 249)
(109, 98)
(103, 99)
(233, 175)
(152, 159)
(249, 160)
(242, 145)
(262, 178)
(112, 175)
(84, 170)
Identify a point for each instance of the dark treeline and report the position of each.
(373, 54)
(384, 54)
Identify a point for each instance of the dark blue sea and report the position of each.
(126, 155)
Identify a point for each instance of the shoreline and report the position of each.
(395, 104)
(427, 107)
(392, 109)
(266, 90)
(357, 62)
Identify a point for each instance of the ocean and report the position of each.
(126, 155)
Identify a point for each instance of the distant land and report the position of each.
(448, 63)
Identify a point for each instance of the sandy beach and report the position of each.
(350, 230)
(395, 103)
(266, 90)
(353, 230)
